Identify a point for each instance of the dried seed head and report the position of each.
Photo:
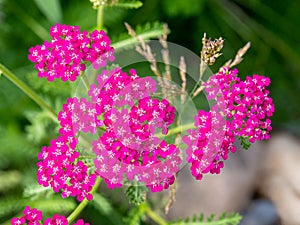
(211, 49)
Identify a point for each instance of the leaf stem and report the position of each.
(83, 204)
(27, 90)
(202, 69)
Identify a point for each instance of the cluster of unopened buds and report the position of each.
(120, 105)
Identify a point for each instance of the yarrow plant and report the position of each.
(132, 118)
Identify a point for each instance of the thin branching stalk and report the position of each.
(172, 198)
(165, 53)
(182, 72)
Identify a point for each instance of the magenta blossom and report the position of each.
(242, 109)
(245, 103)
(34, 217)
(69, 50)
(128, 149)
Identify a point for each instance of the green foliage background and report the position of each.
(270, 25)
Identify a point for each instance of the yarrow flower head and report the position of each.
(121, 105)
(209, 144)
(242, 109)
(128, 147)
(245, 103)
(69, 50)
(34, 217)
(59, 166)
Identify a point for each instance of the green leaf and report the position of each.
(54, 205)
(128, 4)
(55, 88)
(245, 143)
(51, 9)
(34, 191)
(136, 194)
(223, 219)
(105, 208)
(42, 126)
(146, 31)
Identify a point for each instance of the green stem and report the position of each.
(86, 157)
(100, 17)
(85, 80)
(27, 90)
(83, 204)
(156, 218)
(202, 69)
(177, 130)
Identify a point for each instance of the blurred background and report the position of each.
(272, 27)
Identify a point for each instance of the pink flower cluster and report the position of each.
(128, 145)
(110, 83)
(68, 52)
(209, 144)
(34, 217)
(78, 115)
(131, 117)
(246, 103)
(59, 166)
(242, 109)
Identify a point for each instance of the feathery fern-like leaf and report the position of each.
(55, 88)
(35, 191)
(146, 31)
(41, 124)
(136, 194)
(128, 4)
(245, 143)
(223, 219)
